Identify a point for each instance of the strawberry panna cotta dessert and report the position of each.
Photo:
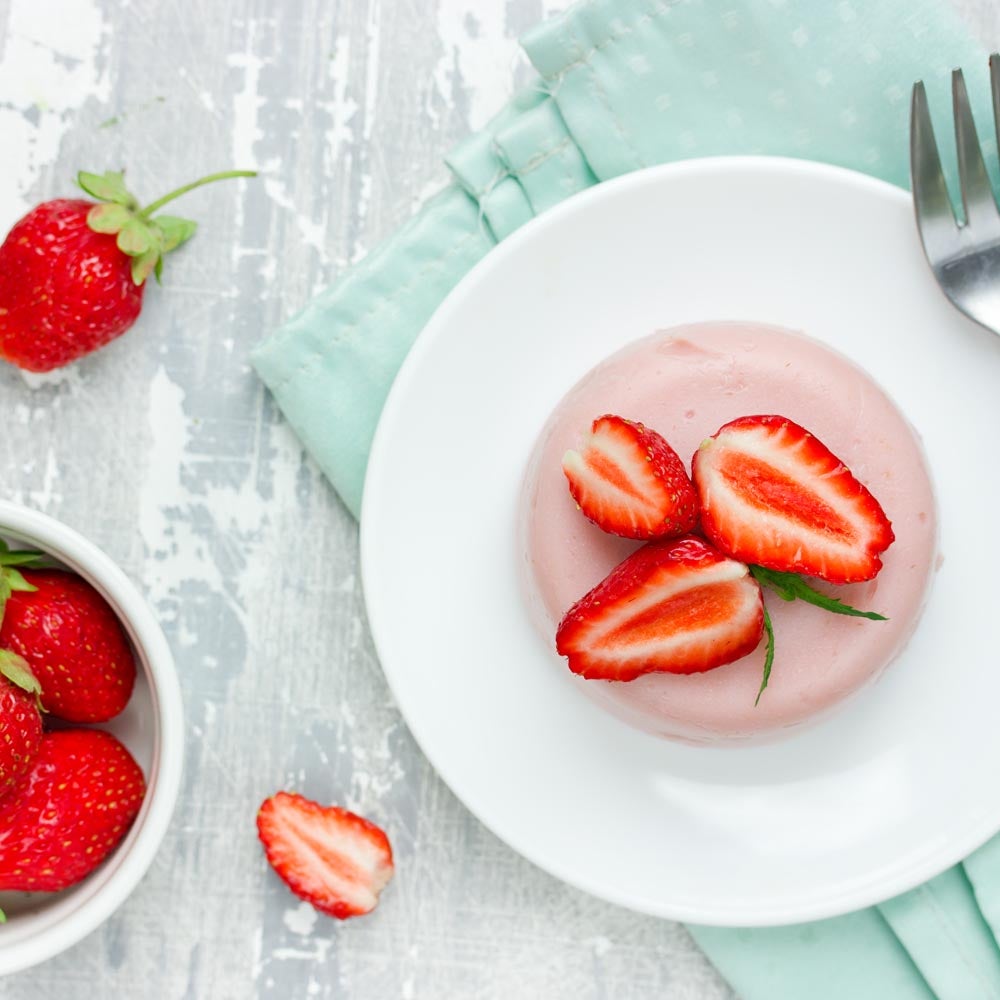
(749, 597)
(774, 502)
(68, 794)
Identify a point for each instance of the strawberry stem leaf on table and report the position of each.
(768, 656)
(140, 236)
(791, 586)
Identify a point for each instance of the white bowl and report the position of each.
(40, 925)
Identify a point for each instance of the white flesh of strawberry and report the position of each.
(346, 864)
(760, 445)
(655, 592)
(623, 456)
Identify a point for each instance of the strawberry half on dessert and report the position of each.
(674, 606)
(773, 494)
(630, 482)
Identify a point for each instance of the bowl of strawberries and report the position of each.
(91, 737)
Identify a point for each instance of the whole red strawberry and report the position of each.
(73, 643)
(20, 721)
(73, 272)
(76, 803)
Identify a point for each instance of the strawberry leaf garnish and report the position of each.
(791, 586)
(768, 656)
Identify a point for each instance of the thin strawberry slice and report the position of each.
(674, 606)
(773, 494)
(630, 482)
(333, 859)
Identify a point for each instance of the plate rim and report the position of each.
(845, 901)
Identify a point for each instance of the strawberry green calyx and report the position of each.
(15, 668)
(10, 577)
(139, 235)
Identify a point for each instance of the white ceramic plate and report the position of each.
(895, 786)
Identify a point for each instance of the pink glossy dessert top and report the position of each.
(685, 383)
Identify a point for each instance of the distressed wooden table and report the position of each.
(167, 451)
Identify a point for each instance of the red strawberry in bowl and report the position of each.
(774, 495)
(630, 482)
(675, 606)
(73, 643)
(20, 721)
(75, 804)
(335, 860)
(73, 272)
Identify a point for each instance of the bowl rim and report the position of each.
(79, 917)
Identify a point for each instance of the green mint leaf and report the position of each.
(3, 917)
(109, 186)
(768, 656)
(136, 238)
(791, 586)
(175, 230)
(108, 218)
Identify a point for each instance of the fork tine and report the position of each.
(977, 194)
(935, 215)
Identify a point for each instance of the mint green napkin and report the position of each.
(621, 86)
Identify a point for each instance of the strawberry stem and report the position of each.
(210, 179)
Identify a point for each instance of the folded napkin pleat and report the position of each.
(982, 868)
(624, 84)
(854, 957)
(941, 926)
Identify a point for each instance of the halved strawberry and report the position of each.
(773, 494)
(630, 482)
(331, 858)
(675, 606)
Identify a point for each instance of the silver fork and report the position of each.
(965, 256)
